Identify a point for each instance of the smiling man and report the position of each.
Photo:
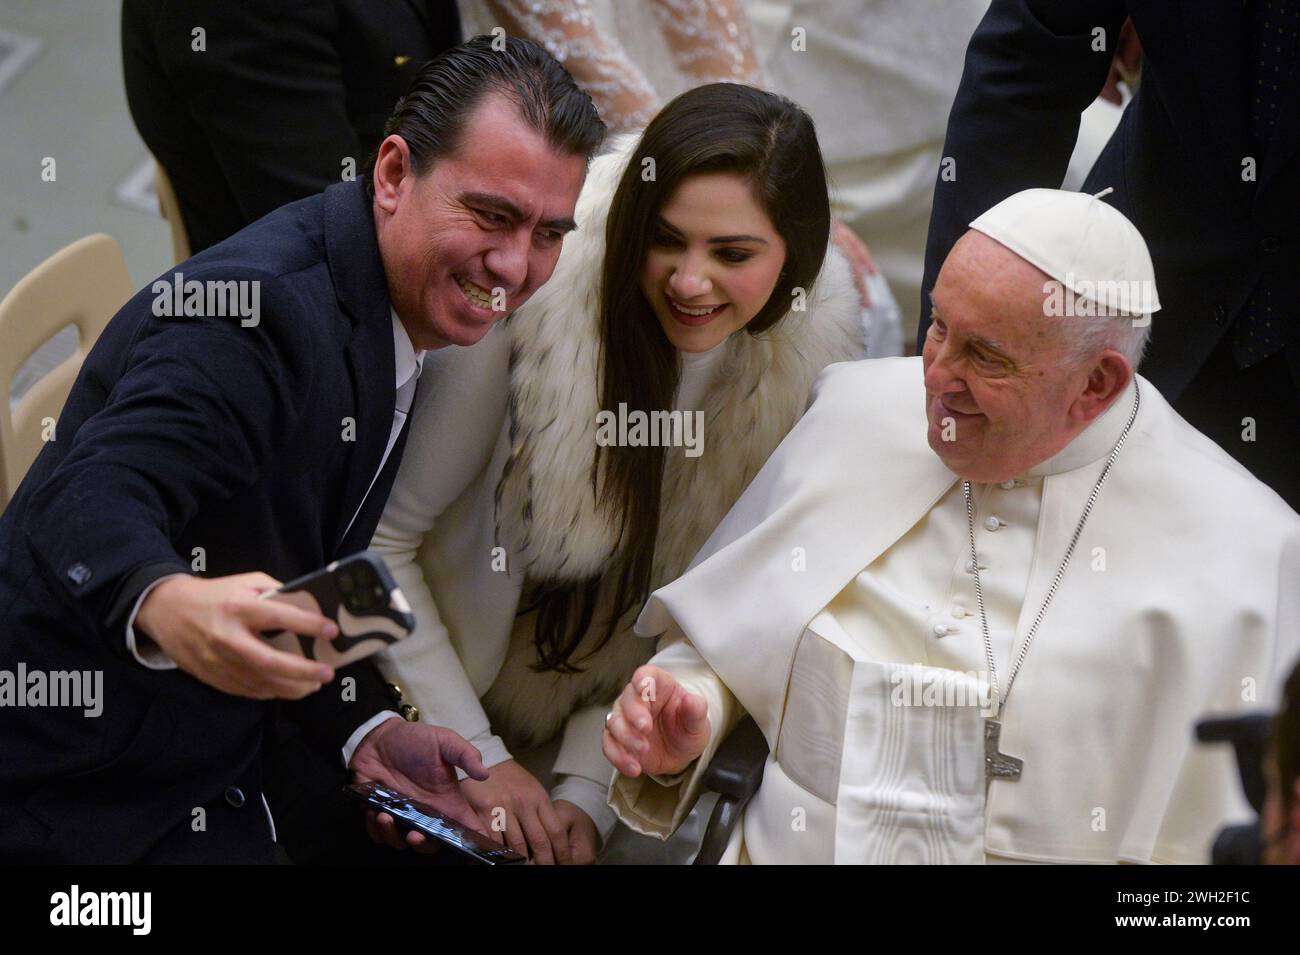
(470, 242)
(977, 600)
(201, 459)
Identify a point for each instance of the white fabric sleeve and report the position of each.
(582, 768)
(425, 664)
(592, 798)
(360, 733)
(580, 747)
(145, 651)
(651, 807)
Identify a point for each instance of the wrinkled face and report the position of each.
(713, 262)
(468, 242)
(1000, 391)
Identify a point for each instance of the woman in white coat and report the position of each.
(580, 455)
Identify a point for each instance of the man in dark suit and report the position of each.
(250, 104)
(239, 422)
(1205, 162)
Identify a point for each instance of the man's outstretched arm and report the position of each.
(191, 420)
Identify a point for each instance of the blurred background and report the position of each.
(62, 96)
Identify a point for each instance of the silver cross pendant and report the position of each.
(998, 765)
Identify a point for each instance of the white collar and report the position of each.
(1095, 441)
(703, 359)
(406, 360)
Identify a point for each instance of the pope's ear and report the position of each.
(392, 165)
(1110, 375)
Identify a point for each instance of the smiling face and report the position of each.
(713, 261)
(470, 240)
(1002, 391)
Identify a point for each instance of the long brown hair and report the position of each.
(721, 127)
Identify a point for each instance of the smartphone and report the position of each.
(359, 594)
(410, 814)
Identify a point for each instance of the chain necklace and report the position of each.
(1000, 765)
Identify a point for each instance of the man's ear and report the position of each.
(392, 165)
(1107, 380)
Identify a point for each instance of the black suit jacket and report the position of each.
(1175, 162)
(283, 91)
(180, 434)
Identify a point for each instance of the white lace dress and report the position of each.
(631, 57)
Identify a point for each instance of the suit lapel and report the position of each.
(363, 528)
(362, 290)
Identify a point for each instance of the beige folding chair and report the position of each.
(82, 284)
(171, 211)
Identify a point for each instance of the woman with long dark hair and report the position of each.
(638, 393)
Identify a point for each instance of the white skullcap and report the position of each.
(1089, 247)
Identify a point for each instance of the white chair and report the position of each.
(83, 284)
(171, 211)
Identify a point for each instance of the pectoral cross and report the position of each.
(998, 765)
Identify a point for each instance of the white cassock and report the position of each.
(836, 600)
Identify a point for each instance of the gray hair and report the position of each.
(1088, 335)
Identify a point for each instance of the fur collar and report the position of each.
(547, 515)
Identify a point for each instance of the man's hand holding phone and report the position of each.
(210, 628)
(417, 760)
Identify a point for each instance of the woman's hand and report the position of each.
(583, 838)
(513, 796)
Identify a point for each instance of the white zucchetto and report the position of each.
(1091, 248)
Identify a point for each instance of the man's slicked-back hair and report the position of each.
(435, 110)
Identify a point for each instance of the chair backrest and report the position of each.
(171, 211)
(83, 285)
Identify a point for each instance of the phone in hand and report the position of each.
(410, 814)
(359, 594)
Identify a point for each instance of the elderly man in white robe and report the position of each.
(977, 600)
